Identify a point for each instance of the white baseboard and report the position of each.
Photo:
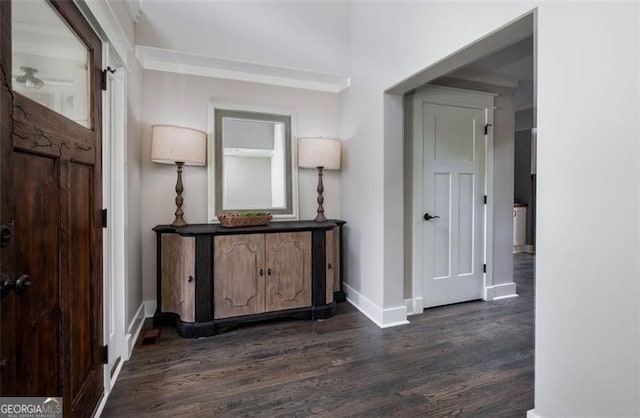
(384, 318)
(134, 330)
(501, 291)
(414, 306)
(103, 401)
(107, 390)
(532, 414)
(115, 375)
(150, 308)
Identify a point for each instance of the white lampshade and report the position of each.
(171, 144)
(319, 152)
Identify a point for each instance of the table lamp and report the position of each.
(321, 154)
(179, 146)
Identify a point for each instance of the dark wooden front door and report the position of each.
(50, 166)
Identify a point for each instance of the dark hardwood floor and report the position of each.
(472, 359)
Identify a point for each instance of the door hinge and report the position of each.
(486, 128)
(484, 268)
(104, 218)
(105, 76)
(484, 199)
(105, 354)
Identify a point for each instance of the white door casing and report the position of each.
(450, 153)
(114, 188)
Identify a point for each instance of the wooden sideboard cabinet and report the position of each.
(212, 278)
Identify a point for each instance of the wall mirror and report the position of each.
(251, 163)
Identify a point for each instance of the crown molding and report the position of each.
(160, 59)
(483, 77)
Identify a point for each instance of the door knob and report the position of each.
(22, 284)
(5, 235)
(428, 217)
(19, 286)
(6, 284)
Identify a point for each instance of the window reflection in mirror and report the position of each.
(253, 163)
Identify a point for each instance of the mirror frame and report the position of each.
(215, 157)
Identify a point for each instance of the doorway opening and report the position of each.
(503, 64)
(508, 73)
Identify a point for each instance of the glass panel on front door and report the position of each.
(50, 63)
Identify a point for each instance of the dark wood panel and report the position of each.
(330, 264)
(53, 203)
(204, 278)
(77, 284)
(273, 227)
(36, 310)
(8, 376)
(473, 359)
(318, 267)
(338, 293)
(43, 131)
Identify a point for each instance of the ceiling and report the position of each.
(298, 43)
(304, 44)
(511, 65)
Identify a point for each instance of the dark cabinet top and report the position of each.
(277, 226)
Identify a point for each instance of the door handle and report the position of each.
(5, 235)
(22, 284)
(428, 217)
(6, 284)
(19, 286)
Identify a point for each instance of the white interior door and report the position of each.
(454, 184)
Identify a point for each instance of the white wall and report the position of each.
(133, 253)
(395, 39)
(587, 318)
(115, 19)
(182, 100)
(124, 18)
(311, 35)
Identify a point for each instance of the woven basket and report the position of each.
(232, 220)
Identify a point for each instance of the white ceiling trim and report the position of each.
(160, 59)
(485, 78)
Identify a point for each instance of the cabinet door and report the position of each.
(238, 286)
(288, 283)
(178, 283)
